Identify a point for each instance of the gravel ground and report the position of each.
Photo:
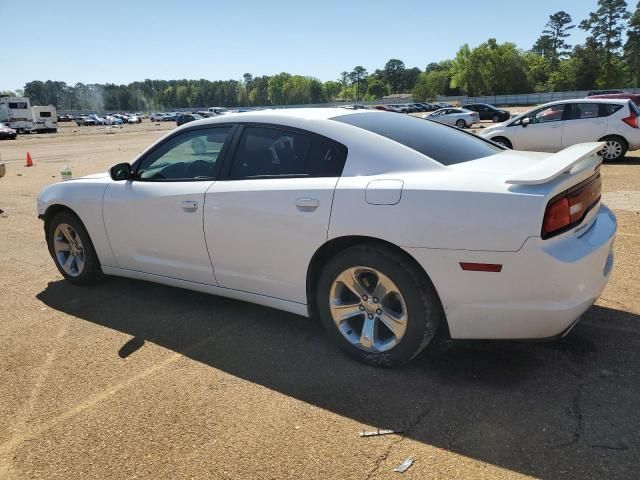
(129, 379)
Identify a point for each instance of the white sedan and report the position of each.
(460, 117)
(389, 229)
(557, 125)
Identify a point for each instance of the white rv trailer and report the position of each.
(45, 119)
(16, 113)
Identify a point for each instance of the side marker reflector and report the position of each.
(481, 267)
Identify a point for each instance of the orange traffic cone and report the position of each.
(29, 160)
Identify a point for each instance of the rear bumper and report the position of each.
(540, 292)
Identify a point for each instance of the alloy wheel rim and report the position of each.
(461, 123)
(69, 250)
(368, 309)
(612, 149)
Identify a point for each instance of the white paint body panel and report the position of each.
(554, 136)
(253, 239)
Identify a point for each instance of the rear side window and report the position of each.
(581, 111)
(609, 109)
(274, 152)
(45, 114)
(18, 105)
(446, 145)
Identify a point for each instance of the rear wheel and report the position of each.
(461, 123)
(377, 306)
(615, 148)
(72, 250)
(502, 141)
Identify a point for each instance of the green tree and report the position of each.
(632, 47)
(394, 71)
(7, 93)
(358, 76)
(277, 88)
(376, 89)
(557, 30)
(331, 89)
(605, 28)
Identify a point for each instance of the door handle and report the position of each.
(189, 205)
(307, 204)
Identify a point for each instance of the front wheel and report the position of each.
(496, 119)
(377, 306)
(72, 250)
(502, 142)
(461, 123)
(615, 148)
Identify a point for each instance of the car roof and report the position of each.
(273, 115)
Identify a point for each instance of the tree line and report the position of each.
(609, 58)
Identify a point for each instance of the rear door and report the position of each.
(585, 122)
(544, 132)
(267, 218)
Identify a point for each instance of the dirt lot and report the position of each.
(129, 379)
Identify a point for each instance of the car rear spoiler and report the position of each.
(559, 163)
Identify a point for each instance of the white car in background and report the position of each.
(387, 228)
(460, 117)
(557, 125)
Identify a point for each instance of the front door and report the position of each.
(264, 222)
(155, 221)
(544, 131)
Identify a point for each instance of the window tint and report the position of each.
(609, 109)
(581, 111)
(549, 114)
(444, 144)
(187, 156)
(18, 105)
(45, 114)
(264, 151)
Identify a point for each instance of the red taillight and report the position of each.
(570, 208)
(556, 217)
(631, 120)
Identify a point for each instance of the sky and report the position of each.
(120, 42)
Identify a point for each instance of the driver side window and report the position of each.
(549, 114)
(191, 155)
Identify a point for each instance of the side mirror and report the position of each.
(121, 171)
(526, 121)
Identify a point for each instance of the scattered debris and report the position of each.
(19, 174)
(404, 466)
(378, 432)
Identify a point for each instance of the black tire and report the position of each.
(613, 139)
(461, 123)
(91, 272)
(503, 141)
(424, 310)
(496, 119)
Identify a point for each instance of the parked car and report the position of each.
(170, 117)
(489, 112)
(187, 117)
(156, 116)
(604, 92)
(134, 118)
(635, 98)
(315, 213)
(214, 111)
(98, 119)
(557, 125)
(459, 117)
(381, 107)
(7, 132)
(85, 120)
(111, 120)
(203, 114)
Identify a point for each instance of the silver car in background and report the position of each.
(460, 117)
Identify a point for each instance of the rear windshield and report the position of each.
(446, 145)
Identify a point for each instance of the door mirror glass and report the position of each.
(121, 171)
(525, 121)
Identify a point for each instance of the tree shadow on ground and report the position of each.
(564, 409)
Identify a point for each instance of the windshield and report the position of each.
(447, 145)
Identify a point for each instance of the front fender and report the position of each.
(84, 198)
